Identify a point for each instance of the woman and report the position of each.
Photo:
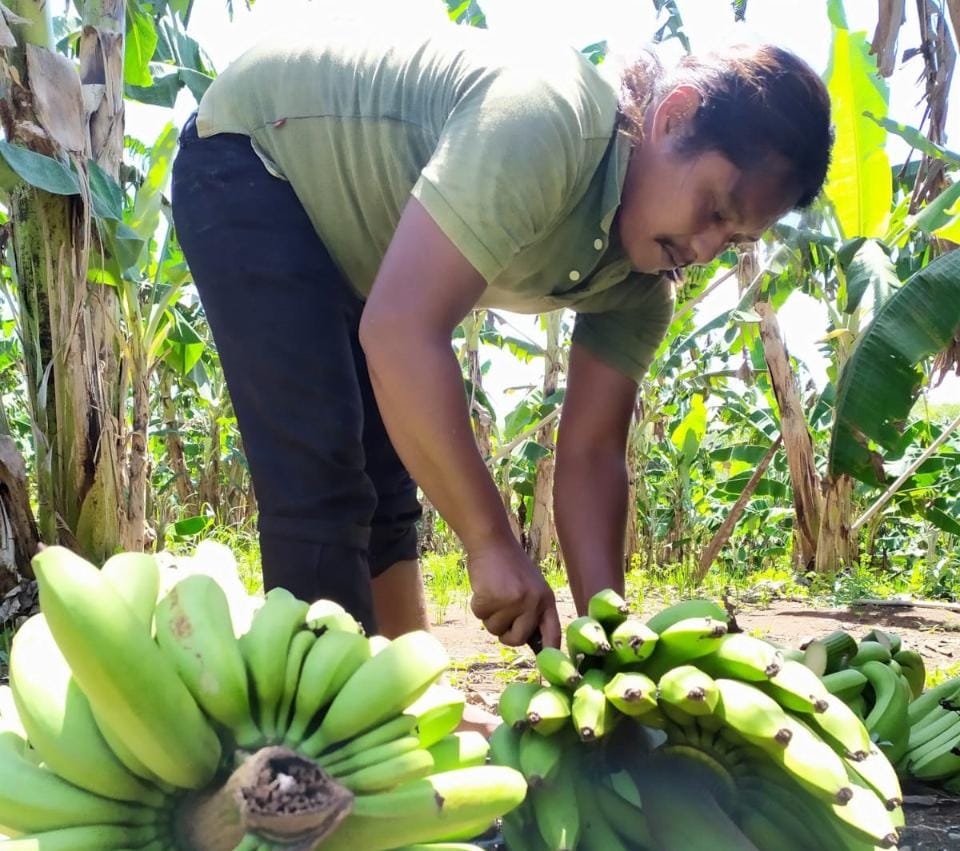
(344, 201)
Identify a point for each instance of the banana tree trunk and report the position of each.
(835, 541)
(796, 437)
(66, 326)
(722, 534)
(542, 527)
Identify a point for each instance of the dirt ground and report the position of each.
(482, 667)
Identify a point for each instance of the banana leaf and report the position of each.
(882, 378)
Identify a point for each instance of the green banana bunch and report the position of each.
(195, 632)
(133, 688)
(723, 713)
(331, 661)
(56, 717)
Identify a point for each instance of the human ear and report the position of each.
(675, 110)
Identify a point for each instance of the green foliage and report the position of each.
(446, 582)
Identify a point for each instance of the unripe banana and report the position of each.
(688, 689)
(383, 686)
(514, 702)
(372, 756)
(56, 716)
(890, 640)
(888, 719)
(845, 684)
(937, 759)
(876, 771)
(586, 637)
(913, 668)
(625, 818)
(743, 657)
(342, 621)
(685, 610)
(438, 712)
(632, 693)
(459, 750)
(505, 747)
(129, 681)
(389, 773)
(870, 651)
(842, 727)
(331, 661)
(866, 816)
(92, 837)
(632, 642)
(299, 648)
(556, 810)
(592, 714)
(608, 608)
(428, 808)
(195, 632)
(557, 669)
(684, 641)
(136, 578)
(548, 710)
(840, 647)
(796, 687)
(540, 757)
(941, 721)
(947, 690)
(9, 716)
(33, 798)
(398, 727)
(264, 648)
(812, 762)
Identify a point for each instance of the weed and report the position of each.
(446, 582)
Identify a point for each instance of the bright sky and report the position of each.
(800, 25)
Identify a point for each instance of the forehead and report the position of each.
(760, 196)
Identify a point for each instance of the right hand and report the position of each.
(510, 595)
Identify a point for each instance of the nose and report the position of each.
(708, 244)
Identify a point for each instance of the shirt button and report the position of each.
(598, 244)
(574, 275)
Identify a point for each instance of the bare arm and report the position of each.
(590, 485)
(423, 289)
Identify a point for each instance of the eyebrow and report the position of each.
(737, 211)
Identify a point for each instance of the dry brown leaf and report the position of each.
(57, 97)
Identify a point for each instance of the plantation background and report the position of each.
(756, 467)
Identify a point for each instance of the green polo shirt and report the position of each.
(511, 148)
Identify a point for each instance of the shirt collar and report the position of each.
(617, 160)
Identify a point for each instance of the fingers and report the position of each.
(501, 621)
(550, 624)
(522, 627)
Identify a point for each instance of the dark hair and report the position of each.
(756, 101)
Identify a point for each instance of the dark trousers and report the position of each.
(336, 504)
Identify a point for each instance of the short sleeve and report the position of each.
(627, 330)
(506, 167)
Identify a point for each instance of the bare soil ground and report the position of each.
(482, 666)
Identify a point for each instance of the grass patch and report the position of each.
(445, 581)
